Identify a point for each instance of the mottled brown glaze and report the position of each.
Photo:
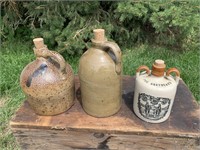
(100, 77)
(48, 82)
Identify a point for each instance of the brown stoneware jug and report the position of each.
(48, 81)
(100, 77)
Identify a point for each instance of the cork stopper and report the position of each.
(39, 43)
(99, 35)
(158, 68)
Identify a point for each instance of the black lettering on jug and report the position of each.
(146, 81)
(166, 84)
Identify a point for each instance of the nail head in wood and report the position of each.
(98, 135)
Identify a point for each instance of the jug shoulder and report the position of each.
(155, 82)
(42, 73)
(99, 55)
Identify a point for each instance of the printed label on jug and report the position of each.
(152, 108)
(157, 84)
(166, 84)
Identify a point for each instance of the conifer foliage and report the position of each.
(67, 26)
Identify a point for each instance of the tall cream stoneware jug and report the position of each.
(100, 77)
(154, 92)
(48, 81)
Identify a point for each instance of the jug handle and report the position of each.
(142, 68)
(45, 52)
(176, 71)
(117, 52)
(60, 60)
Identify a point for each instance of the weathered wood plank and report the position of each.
(74, 129)
(38, 139)
(183, 121)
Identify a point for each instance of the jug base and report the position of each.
(101, 116)
(43, 112)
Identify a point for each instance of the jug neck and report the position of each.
(40, 48)
(158, 68)
(98, 45)
(99, 38)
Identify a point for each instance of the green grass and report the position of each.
(15, 56)
(186, 62)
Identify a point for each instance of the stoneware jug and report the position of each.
(48, 81)
(154, 92)
(100, 77)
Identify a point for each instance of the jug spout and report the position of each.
(39, 43)
(158, 68)
(99, 36)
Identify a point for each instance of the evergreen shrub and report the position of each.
(67, 26)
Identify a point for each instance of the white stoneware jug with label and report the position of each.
(154, 92)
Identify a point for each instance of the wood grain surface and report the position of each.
(38, 139)
(182, 125)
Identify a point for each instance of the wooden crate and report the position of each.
(74, 129)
